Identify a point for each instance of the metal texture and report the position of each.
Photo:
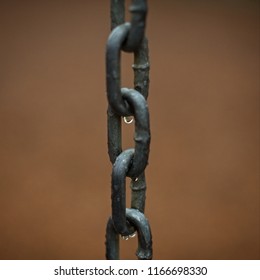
(141, 224)
(124, 102)
(130, 37)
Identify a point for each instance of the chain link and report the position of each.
(124, 102)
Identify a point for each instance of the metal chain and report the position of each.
(124, 102)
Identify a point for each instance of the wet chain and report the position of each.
(123, 103)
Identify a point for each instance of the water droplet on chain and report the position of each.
(128, 119)
(125, 237)
(132, 235)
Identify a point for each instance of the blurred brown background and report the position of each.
(203, 176)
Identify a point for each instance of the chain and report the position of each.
(123, 103)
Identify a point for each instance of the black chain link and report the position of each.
(124, 102)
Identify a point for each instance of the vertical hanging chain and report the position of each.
(124, 102)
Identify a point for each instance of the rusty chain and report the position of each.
(122, 103)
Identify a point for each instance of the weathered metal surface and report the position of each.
(141, 224)
(124, 102)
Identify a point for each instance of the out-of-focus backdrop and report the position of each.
(203, 173)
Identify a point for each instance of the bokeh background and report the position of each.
(203, 173)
